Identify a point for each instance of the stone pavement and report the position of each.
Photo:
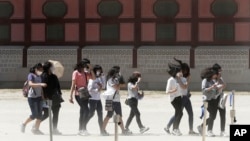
(155, 111)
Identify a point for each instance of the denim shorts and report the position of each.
(35, 107)
(117, 108)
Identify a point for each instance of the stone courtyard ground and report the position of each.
(155, 111)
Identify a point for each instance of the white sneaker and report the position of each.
(83, 133)
(210, 133)
(176, 132)
(223, 134)
(80, 133)
(144, 129)
(22, 128)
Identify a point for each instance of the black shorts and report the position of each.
(117, 108)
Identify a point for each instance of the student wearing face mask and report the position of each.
(132, 101)
(209, 89)
(221, 107)
(35, 97)
(52, 92)
(183, 81)
(94, 87)
(173, 89)
(82, 73)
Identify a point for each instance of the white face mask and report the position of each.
(86, 70)
(98, 73)
(39, 72)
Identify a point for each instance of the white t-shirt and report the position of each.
(93, 89)
(184, 91)
(111, 91)
(172, 84)
(132, 93)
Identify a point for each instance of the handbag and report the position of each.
(83, 93)
(126, 101)
(140, 95)
(109, 103)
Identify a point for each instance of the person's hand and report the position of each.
(175, 89)
(71, 100)
(179, 74)
(139, 79)
(90, 67)
(100, 85)
(43, 84)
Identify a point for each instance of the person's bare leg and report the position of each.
(121, 125)
(105, 122)
(37, 124)
(27, 121)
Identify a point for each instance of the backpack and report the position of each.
(26, 88)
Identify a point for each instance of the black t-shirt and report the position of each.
(53, 85)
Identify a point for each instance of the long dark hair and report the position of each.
(97, 67)
(173, 69)
(79, 66)
(184, 67)
(217, 67)
(208, 73)
(111, 73)
(46, 66)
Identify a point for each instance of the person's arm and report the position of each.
(222, 83)
(35, 85)
(134, 86)
(73, 87)
(91, 71)
(204, 86)
(182, 85)
(113, 84)
(72, 90)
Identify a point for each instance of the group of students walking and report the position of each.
(92, 78)
(45, 85)
(212, 88)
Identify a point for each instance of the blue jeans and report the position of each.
(186, 103)
(134, 112)
(96, 105)
(35, 107)
(177, 104)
